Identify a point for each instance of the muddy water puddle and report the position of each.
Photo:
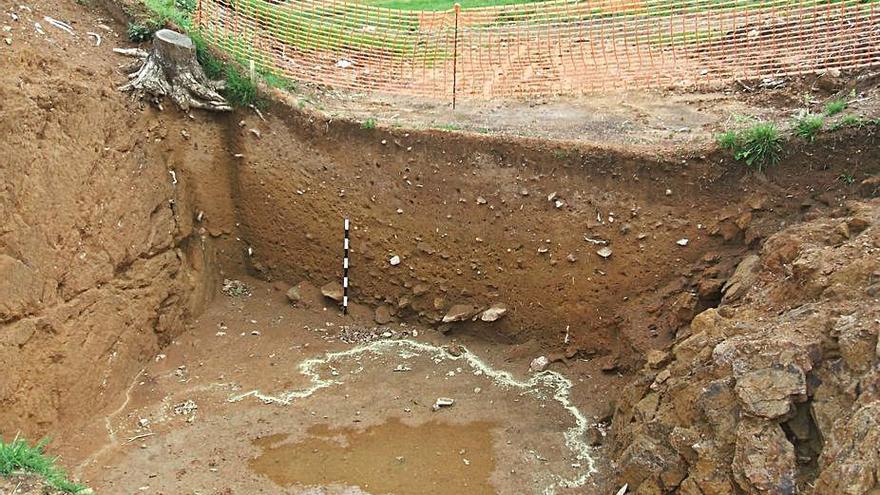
(390, 458)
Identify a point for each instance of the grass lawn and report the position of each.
(440, 4)
(651, 7)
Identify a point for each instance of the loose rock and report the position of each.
(539, 364)
(442, 402)
(383, 315)
(495, 312)
(332, 290)
(459, 312)
(294, 295)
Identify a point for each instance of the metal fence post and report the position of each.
(455, 56)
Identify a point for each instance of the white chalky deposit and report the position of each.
(574, 437)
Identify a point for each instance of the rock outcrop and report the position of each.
(777, 391)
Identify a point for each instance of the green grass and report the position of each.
(651, 8)
(850, 121)
(835, 106)
(435, 5)
(759, 146)
(17, 455)
(138, 32)
(240, 90)
(728, 140)
(808, 126)
(448, 127)
(370, 123)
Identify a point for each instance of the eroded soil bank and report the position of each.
(121, 221)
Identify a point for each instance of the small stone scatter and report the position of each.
(185, 408)
(235, 288)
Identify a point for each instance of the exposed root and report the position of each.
(171, 69)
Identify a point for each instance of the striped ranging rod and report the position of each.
(345, 271)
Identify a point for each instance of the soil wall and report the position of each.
(102, 260)
(478, 220)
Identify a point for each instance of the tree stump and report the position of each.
(171, 69)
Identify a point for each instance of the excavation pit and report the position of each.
(120, 338)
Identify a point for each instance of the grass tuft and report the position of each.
(835, 106)
(759, 146)
(139, 32)
(728, 140)
(240, 90)
(850, 121)
(17, 455)
(370, 123)
(449, 127)
(188, 6)
(807, 126)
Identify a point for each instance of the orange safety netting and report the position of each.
(546, 48)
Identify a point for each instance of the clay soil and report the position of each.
(121, 221)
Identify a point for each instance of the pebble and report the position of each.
(682, 242)
(395, 260)
(539, 364)
(605, 252)
(495, 312)
(442, 402)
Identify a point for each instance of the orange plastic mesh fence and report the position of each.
(548, 48)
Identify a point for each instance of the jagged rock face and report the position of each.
(777, 391)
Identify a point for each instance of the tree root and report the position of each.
(171, 69)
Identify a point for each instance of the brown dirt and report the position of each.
(106, 262)
(26, 484)
(101, 263)
(496, 437)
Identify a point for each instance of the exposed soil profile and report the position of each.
(679, 299)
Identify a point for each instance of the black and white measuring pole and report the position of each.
(345, 271)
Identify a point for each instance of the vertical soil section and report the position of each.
(477, 220)
(102, 260)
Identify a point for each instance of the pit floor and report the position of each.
(264, 397)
